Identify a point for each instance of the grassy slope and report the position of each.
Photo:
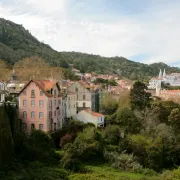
(105, 172)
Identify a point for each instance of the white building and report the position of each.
(172, 79)
(88, 116)
(71, 109)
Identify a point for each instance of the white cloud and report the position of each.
(155, 32)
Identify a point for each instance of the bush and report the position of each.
(112, 134)
(67, 138)
(123, 162)
(41, 140)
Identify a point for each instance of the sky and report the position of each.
(146, 31)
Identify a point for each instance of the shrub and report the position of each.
(41, 140)
(124, 162)
(67, 138)
(112, 134)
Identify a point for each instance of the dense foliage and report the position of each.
(17, 43)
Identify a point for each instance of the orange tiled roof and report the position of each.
(44, 85)
(93, 113)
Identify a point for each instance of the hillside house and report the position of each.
(40, 105)
(86, 95)
(88, 116)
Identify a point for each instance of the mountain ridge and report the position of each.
(17, 43)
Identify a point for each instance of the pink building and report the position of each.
(40, 106)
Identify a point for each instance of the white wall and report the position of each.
(88, 118)
(71, 105)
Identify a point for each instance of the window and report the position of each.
(50, 114)
(32, 126)
(77, 97)
(41, 93)
(24, 126)
(41, 103)
(69, 106)
(54, 102)
(24, 92)
(59, 112)
(32, 103)
(74, 105)
(33, 93)
(68, 98)
(59, 102)
(32, 114)
(76, 89)
(54, 126)
(50, 103)
(41, 127)
(24, 114)
(41, 114)
(24, 103)
(77, 104)
(84, 97)
(84, 105)
(54, 93)
(54, 113)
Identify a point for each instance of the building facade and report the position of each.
(40, 106)
(3, 91)
(172, 79)
(85, 95)
(71, 104)
(88, 116)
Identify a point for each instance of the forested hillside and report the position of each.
(17, 43)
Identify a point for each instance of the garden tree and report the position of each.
(38, 146)
(68, 74)
(168, 137)
(140, 99)
(37, 69)
(148, 151)
(126, 118)
(6, 141)
(108, 105)
(174, 119)
(87, 146)
(56, 73)
(137, 145)
(110, 119)
(4, 70)
(67, 138)
(124, 100)
(112, 134)
(155, 154)
(160, 112)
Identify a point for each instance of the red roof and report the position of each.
(93, 113)
(44, 85)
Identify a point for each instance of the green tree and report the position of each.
(112, 134)
(6, 141)
(174, 119)
(140, 99)
(108, 104)
(126, 118)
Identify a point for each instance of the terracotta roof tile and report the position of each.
(44, 85)
(93, 113)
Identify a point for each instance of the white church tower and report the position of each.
(164, 73)
(158, 87)
(160, 74)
